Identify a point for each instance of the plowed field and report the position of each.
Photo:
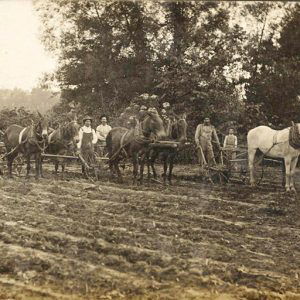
(74, 239)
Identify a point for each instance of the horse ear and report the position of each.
(293, 124)
(40, 115)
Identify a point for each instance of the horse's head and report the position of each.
(179, 128)
(41, 128)
(153, 124)
(73, 129)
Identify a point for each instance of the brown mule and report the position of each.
(176, 129)
(30, 141)
(62, 141)
(126, 143)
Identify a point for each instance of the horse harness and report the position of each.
(60, 139)
(28, 139)
(140, 139)
(293, 140)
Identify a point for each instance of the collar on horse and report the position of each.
(32, 137)
(294, 136)
(61, 135)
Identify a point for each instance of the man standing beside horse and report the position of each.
(204, 136)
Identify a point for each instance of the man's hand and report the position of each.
(77, 152)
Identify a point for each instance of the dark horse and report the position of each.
(62, 141)
(124, 143)
(29, 141)
(176, 128)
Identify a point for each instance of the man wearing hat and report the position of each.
(102, 131)
(87, 140)
(204, 135)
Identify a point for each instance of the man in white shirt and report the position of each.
(87, 135)
(102, 131)
(87, 140)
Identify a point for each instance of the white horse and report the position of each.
(274, 143)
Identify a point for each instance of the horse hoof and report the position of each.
(293, 190)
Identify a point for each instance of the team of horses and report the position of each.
(124, 143)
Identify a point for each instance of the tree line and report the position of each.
(236, 62)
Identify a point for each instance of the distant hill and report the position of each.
(36, 99)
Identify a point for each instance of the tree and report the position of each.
(274, 68)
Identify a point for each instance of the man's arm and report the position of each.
(95, 138)
(216, 137)
(197, 134)
(225, 141)
(80, 138)
(100, 133)
(235, 142)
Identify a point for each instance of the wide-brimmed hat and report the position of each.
(87, 118)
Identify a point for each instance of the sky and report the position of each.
(23, 59)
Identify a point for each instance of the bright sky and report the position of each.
(22, 57)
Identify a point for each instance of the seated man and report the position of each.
(102, 131)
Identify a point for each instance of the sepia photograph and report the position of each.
(149, 150)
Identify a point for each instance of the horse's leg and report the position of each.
(62, 169)
(287, 162)
(111, 168)
(37, 165)
(82, 170)
(28, 166)
(135, 162)
(171, 165)
(165, 160)
(41, 168)
(119, 174)
(56, 164)
(293, 169)
(283, 172)
(142, 164)
(251, 157)
(152, 163)
(10, 160)
(148, 157)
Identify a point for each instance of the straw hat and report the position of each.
(87, 118)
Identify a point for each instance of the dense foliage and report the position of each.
(202, 57)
